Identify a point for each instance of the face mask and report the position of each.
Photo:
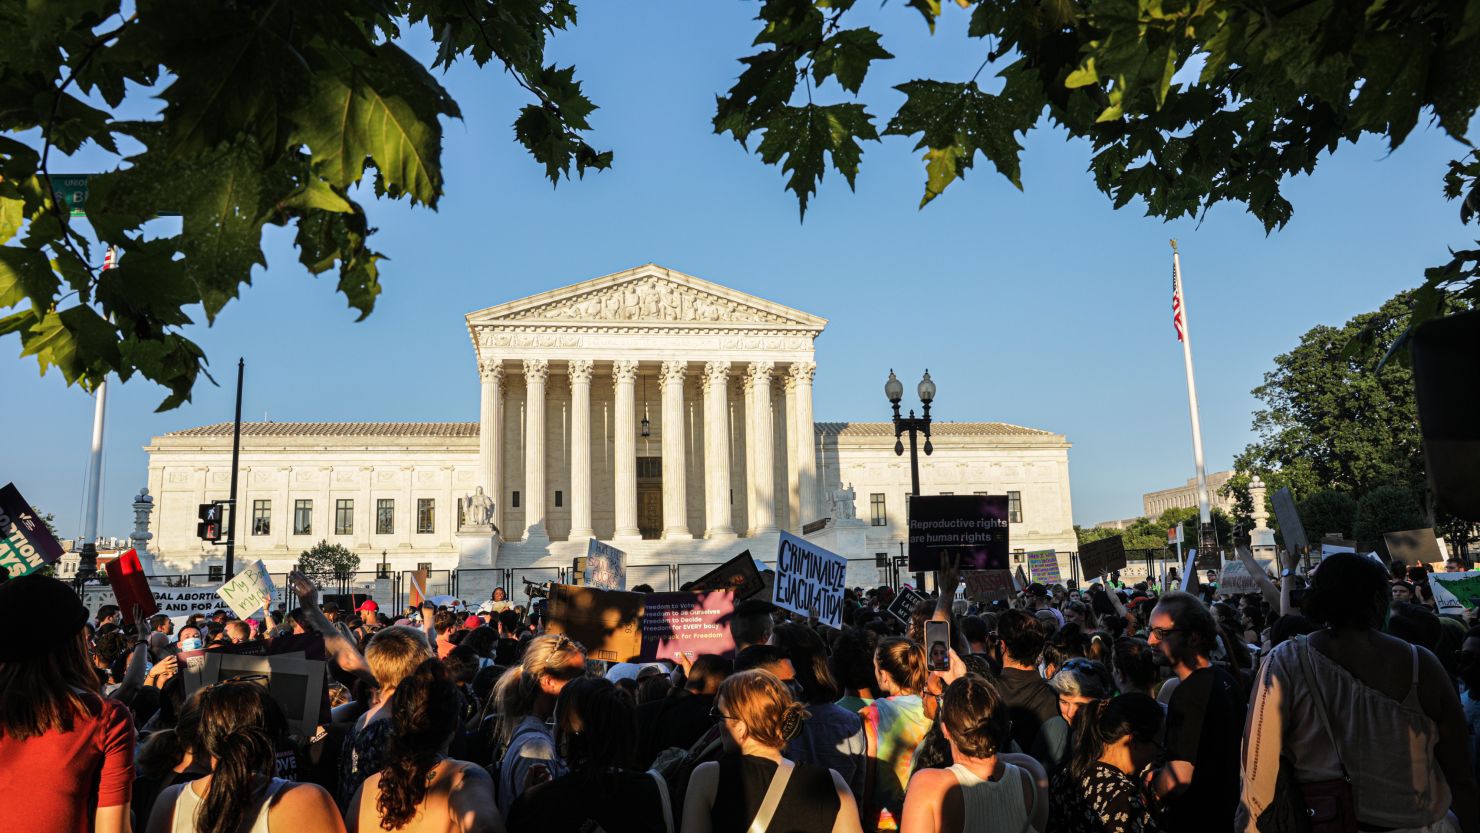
(191, 644)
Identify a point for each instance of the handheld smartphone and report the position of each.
(938, 645)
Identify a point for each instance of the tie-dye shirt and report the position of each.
(896, 725)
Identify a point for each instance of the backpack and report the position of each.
(676, 765)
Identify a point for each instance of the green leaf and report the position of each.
(12, 214)
(25, 274)
(767, 83)
(928, 9)
(798, 138)
(77, 341)
(846, 56)
(956, 121)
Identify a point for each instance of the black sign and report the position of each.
(971, 526)
(26, 544)
(738, 574)
(904, 604)
(1102, 557)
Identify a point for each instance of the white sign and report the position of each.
(809, 580)
(1236, 578)
(248, 591)
(606, 567)
(178, 603)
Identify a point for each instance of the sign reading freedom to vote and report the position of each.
(26, 545)
(606, 567)
(973, 527)
(617, 626)
(810, 580)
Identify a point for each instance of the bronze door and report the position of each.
(650, 511)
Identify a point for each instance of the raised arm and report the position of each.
(340, 650)
(133, 678)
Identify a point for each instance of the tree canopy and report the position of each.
(325, 562)
(273, 111)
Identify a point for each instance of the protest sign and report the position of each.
(973, 527)
(606, 567)
(1413, 546)
(738, 575)
(1102, 557)
(26, 544)
(988, 585)
(1020, 580)
(294, 683)
(130, 586)
(809, 580)
(687, 623)
(608, 623)
(1455, 592)
(904, 604)
(248, 591)
(1291, 529)
(1236, 578)
(1043, 566)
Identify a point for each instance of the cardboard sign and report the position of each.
(607, 623)
(130, 586)
(606, 567)
(973, 527)
(1043, 567)
(26, 545)
(988, 585)
(1236, 578)
(1413, 546)
(1020, 580)
(418, 593)
(687, 623)
(1102, 557)
(1455, 592)
(294, 683)
(1291, 529)
(249, 591)
(738, 575)
(904, 604)
(810, 580)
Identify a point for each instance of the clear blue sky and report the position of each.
(1044, 307)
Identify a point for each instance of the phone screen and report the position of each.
(938, 645)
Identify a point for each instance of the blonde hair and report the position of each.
(764, 704)
(394, 653)
(516, 691)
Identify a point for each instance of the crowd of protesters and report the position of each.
(1334, 701)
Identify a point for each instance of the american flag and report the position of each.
(1176, 301)
(110, 258)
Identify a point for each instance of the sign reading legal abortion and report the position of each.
(810, 580)
(26, 545)
(973, 527)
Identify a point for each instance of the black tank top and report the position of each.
(809, 805)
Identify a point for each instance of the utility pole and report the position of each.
(236, 452)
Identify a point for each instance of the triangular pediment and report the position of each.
(648, 294)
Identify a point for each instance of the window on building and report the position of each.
(426, 510)
(344, 516)
(559, 498)
(424, 565)
(948, 493)
(1014, 507)
(514, 501)
(302, 517)
(1019, 555)
(650, 467)
(385, 516)
(261, 517)
(981, 493)
(876, 508)
(216, 573)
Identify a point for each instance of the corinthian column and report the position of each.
(580, 449)
(536, 372)
(717, 451)
(491, 435)
(806, 441)
(624, 377)
(763, 484)
(793, 458)
(675, 481)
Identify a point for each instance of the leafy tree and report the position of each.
(325, 562)
(1328, 512)
(1187, 517)
(1391, 507)
(273, 111)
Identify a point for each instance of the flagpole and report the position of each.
(1180, 305)
(88, 562)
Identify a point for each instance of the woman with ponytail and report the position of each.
(240, 730)
(754, 784)
(980, 791)
(524, 698)
(894, 725)
(420, 789)
(1100, 792)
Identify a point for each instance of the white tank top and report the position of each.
(994, 806)
(187, 804)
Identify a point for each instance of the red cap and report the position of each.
(368, 604)
(473, 622)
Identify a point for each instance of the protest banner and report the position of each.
(1291, 529)
(738, 575)
(1102, 557)
(1020, 580)
(973, 527)
(26, 544)
(608, 623)
(904, 604)
(809, 580)
(1413, 546)
(1043, 567)
(249, 591)
(687, 623)
(1236, 578)
(130, 587)
(988, 585)
(179, 603)
(1455, 592)
(606, 567)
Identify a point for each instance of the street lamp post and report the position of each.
(894, 390)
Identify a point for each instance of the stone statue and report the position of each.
(477, 509)
(842, 504)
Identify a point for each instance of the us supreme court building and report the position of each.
(667, 415)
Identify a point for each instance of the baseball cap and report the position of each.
(368, 604)
(1036, 589)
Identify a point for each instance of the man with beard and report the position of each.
(1199, 781)
(1469, 674)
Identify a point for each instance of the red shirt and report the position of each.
(53, 783)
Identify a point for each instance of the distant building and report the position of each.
(1123, 523)
(1185, 496)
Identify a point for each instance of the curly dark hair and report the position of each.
(424, 714)
(1021, 634)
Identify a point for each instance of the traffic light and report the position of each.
(209, 528)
